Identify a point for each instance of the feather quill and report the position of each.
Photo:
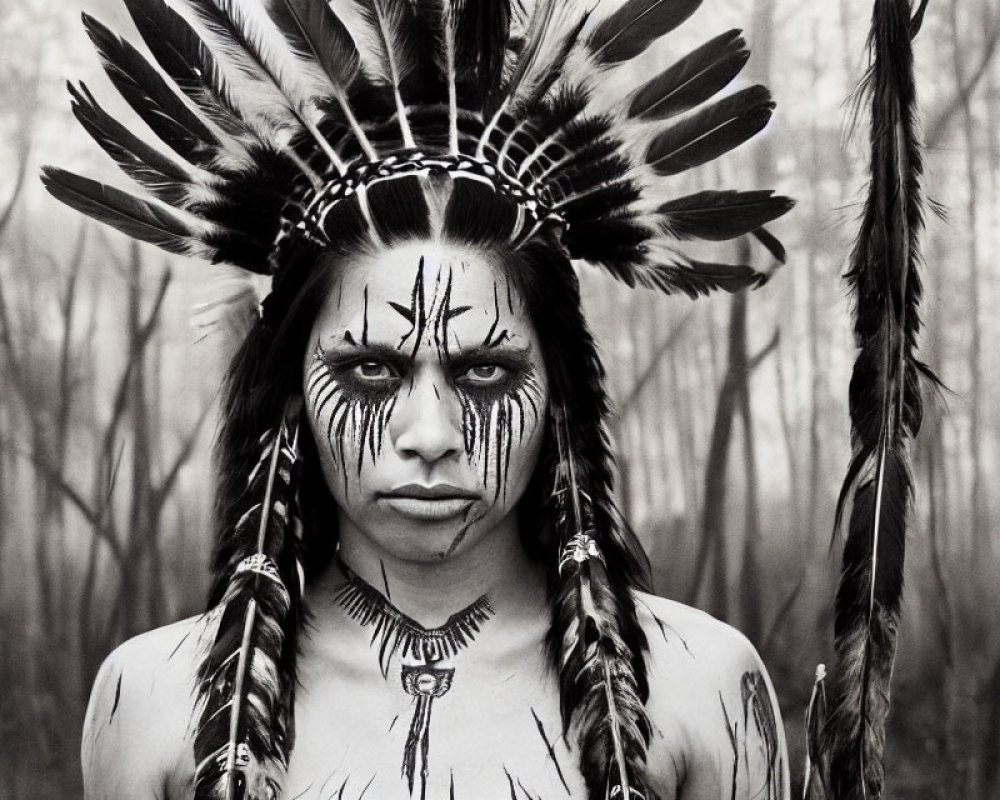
(598, 688)
(391, 25)
(245, 731)
(886, 408)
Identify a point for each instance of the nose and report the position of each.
(427, 420)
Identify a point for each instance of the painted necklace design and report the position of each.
(425, 681)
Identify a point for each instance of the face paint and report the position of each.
(425, 395)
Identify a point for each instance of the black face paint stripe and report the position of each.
(550, 749)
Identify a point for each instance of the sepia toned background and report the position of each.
(731, 412)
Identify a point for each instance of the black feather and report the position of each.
(635, 26)
(771, 243)
(710, 132)
(151, 96)
(481, 32)
(886, 409)
(696, 278)
(188, 61)
(721, 215)
(162, 175)
(692, 80)
(141, 219)
(246, 681)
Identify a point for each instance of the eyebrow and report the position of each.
(504, 346)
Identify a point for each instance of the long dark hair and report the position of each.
(268, 370)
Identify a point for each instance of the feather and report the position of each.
(635, 26)
(812, 783)
(317, 33)
(162, 175)
(771, 243)
(248, 39)
(886, 408)
(710, 132)
(147, 220)
(392, 25)
(481, 31)
(692, 80)
(148, 93)
(668, 271)
(720, 215)
(245, 731)
(598, 687)
(554, 31)
(185, 57)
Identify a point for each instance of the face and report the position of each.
(426, 394)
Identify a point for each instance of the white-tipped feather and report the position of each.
(387, 22)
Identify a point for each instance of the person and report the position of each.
(422, 585)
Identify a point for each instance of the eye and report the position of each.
(375, 371)
(483, 374)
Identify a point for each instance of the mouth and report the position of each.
(429, 503)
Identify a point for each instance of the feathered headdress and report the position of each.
(272, 113)
(886, 411)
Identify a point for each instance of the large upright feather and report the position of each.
(248, 38)
(391, 26)
(885, 406)
(317, 33)
(598, 688)
(246, 683)
(150, 95)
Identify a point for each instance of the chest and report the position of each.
(455, 731)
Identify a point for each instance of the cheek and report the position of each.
(350, 427)
(502, 433)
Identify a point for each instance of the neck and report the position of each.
(429, 592)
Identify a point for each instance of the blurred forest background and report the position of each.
(731, 412)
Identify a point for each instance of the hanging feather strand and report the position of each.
(885, 407)
(246, 685)
(598, 687)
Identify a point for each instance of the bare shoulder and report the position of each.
(139, 716)
(716, 726)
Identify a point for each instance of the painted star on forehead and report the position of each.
(432, 321)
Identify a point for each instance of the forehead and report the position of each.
(382, 293)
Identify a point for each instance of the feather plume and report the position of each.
(710, 132)
(717, 216)
(391, 26)
(146, 220)
(598, 687)
(161, 174)
(150, 95)
(635, 26)
(188, 61)
(554, 31)
(886, 408)
(693, 80)
(246, 727)
(246, 36)
(317, 34)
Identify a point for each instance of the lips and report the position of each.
(429, 503)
